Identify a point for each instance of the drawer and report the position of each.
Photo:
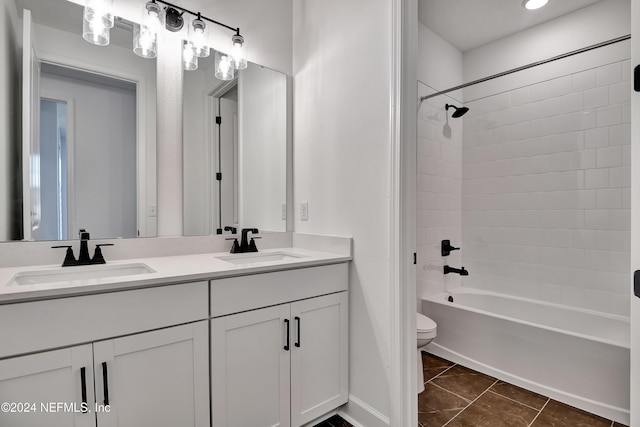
(236, 294)
(42, 325)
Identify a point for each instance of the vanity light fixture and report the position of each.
(189, 56)
(145, 34)
(224, 69)
(238, 52)
(534, 4)
(198, 36)
(98, 20)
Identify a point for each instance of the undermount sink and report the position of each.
(259, 258)
(82, 273)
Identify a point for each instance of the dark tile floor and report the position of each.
(456, 396)
(335, 421)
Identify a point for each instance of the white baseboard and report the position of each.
(360, 414)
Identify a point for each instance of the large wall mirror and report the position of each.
(87, 129)
(237, 134)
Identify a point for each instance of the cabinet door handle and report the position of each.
(297, 344)
(286, 347)
(83, 385)
(105, 383)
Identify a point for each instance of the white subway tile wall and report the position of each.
(545, 189)
(439, 192)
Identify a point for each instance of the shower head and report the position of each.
(460, 111)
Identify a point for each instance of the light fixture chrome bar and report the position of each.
(166, 3)
(531, 65)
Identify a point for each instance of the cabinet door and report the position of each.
(53, 382)
(158, 378)
(320, 356)
(250, 368)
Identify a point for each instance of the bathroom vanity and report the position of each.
(202, 340)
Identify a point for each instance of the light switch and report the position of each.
(304, 211)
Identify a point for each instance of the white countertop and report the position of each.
(168, 270)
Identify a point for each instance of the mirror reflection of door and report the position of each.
(54, 170)
(227, 158)
(87, 154)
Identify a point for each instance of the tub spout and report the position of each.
(460, 271)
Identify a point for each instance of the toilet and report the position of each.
(426, 329)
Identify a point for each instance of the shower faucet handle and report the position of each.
(446, 248)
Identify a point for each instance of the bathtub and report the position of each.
(575, 356)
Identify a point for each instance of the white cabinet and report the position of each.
(31, 384)
(158, 378)
(280, 366)
(319, 357)
(250, 369)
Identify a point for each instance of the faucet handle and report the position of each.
(69, 258)
(252, 245)
(446, 248)
(83, 234)
(233, 230)
(97, 255)
(235, 248)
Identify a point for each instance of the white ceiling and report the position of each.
(467, 24)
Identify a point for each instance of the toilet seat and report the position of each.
(424, 324)
(425, 327)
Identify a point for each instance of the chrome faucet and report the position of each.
(83, 258)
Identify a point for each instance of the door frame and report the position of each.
(635, 223)
(403, 168)
(71, 131)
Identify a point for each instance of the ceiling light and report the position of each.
(534, 4)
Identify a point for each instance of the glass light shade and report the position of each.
(96, 32)
(199, 35)
(239, 52)
(95, 10)
(145, 42)
(189, 57)
(224, 66)
(152, 17)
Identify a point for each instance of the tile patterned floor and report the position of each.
(335, 421)
(456, 396)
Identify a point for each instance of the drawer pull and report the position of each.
(297, 344)
(83, 385)
(286, 347)
(105, 383)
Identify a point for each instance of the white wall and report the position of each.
(10, 198)
(198, 189)
(602, 21)
(262, 115)
(440, 64)
(342, 63)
